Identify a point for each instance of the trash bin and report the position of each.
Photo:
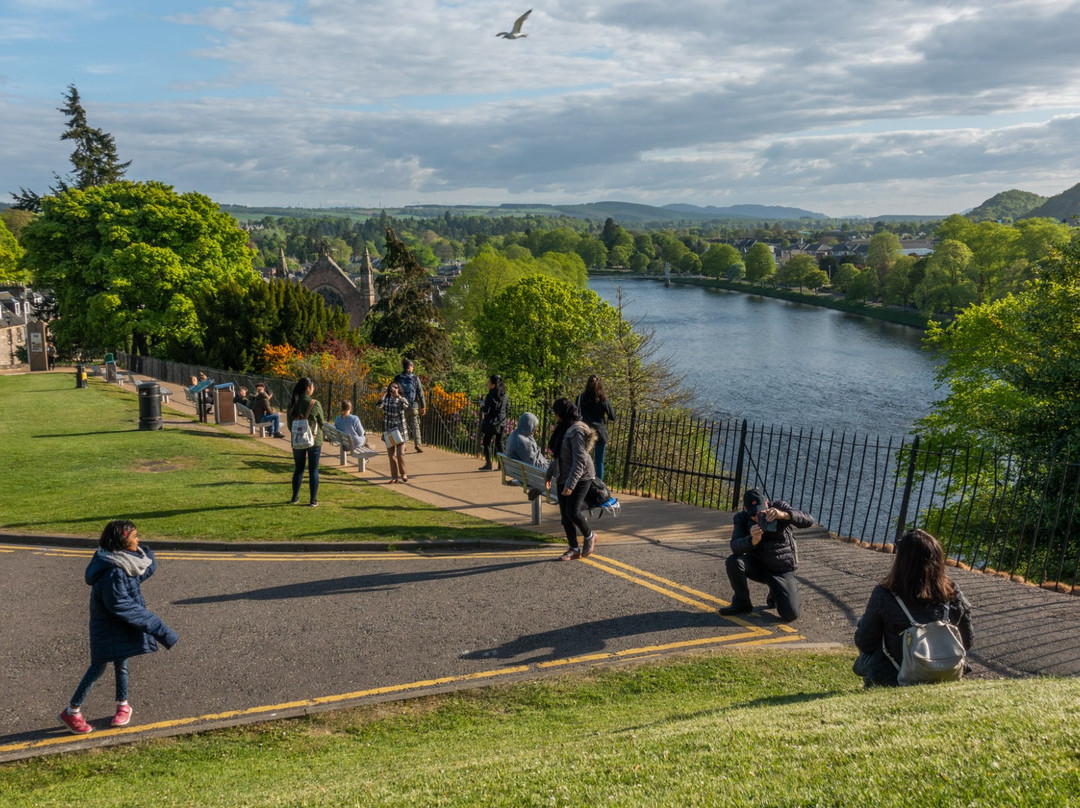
(149, 405)
(80, 376)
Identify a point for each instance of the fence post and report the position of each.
(736, 496)
(905, 500)
(629, 449)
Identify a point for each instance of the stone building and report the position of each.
(14, 315)
(326, 278)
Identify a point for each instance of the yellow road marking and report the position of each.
(269, 709)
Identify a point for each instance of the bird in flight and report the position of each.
(515, 33)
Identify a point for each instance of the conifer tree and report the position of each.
(406, 317)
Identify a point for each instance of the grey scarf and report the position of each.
(133, 565)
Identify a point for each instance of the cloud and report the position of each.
(873, 106)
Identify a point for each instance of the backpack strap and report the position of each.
(907, 614)
(911, 620)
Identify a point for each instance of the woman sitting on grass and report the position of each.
(918, 578)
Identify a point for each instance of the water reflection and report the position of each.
(778, 362)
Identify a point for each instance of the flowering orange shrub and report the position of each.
(450, 404)
(278, 360)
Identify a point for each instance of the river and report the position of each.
(782, 363)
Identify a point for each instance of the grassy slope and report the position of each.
(74, 459)
(755, 729)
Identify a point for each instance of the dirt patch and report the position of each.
(148, 465)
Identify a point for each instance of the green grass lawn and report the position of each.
(75, 459)
(766, 728)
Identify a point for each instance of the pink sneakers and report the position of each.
(75, 722)
(123, 715)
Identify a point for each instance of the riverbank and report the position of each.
(887, 314)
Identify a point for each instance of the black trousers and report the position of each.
(782, 585)
(571, 509)
(486, 440)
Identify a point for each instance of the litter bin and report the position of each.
(149, 405)
(80, 376)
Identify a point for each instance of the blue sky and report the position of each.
(868, 108)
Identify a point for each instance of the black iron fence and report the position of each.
(1008, 515)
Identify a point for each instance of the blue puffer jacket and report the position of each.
(120, 624)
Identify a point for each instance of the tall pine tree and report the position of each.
(406, 317)
(94, 160)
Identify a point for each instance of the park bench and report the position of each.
(245, 412)
(190, 396)
(530, 478)
(347, 445)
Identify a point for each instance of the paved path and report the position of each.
(279, 633)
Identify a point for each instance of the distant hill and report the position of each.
(1007, 207)
(1063, 207)
(758, 212)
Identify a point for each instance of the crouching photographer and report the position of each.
(763, 550)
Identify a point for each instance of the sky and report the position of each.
(843, 108)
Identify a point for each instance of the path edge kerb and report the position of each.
(189, 545)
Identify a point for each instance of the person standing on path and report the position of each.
(918, 577)
(763, 550)
(596, 411)
(393, 405)
(493, 414)
(412, 390)
(120, 624)
(303, 405)
(573, 471)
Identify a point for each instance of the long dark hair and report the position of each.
(298, 392)
(594, 389)
(500, 384)
(567, 413)
(918, 571)
(115, 534)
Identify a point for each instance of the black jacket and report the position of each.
(777, 548)
(884, 619)
(493, 412)
(596, 414)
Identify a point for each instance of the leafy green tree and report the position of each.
(16, 219)
(405, 316)
(125, 262)
(945, 287)
(643, 245)
(1010, 367)
(592, 250)
(882, 253)
(10, 253)
(760, 263)
(843, 276)
(796, 270)
(899, 285)
(816, 279)
(689, 263)
(539, 330)
(719, 260)
(863, 286)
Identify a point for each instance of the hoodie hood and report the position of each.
(527, 424)
(133, 564)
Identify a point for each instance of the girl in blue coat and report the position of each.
(120, 624)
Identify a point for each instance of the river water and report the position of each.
(782, 363)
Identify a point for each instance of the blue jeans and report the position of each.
(598, 457)
(93, 673)
(272, 418)
(311, 457)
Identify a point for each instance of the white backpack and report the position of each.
(933, 652)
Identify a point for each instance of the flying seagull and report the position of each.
(516, 32)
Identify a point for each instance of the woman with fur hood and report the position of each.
(573, 471)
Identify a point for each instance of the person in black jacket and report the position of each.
(493, 419)
(596, 411)
(763, 550)
(918, 577)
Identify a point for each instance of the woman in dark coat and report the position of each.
(303, 405)
(573, 472)
(120, 624)
(596, 411)
(918, 577)
(493, 419)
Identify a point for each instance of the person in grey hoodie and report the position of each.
(573, 471)
(521, 445)
(120, 624)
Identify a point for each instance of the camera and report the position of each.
(765, 524)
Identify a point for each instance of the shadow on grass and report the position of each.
(159, 514)
(90, 434)
(594, 636)
(350, 584)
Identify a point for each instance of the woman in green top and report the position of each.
(302, 405)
